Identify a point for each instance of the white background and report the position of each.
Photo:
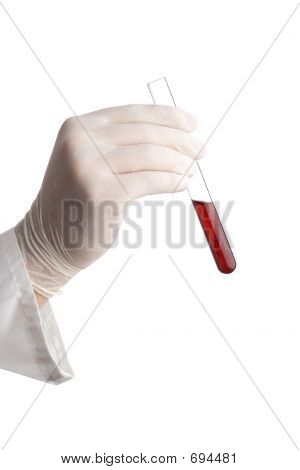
(153, 374)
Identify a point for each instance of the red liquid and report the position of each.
(215, 236)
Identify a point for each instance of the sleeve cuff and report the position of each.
(30, 341)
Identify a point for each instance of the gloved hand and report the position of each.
(99, 162)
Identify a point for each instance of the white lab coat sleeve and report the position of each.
(30, 341)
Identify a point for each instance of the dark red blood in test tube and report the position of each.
(215, 236)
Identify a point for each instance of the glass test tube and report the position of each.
(199, 194)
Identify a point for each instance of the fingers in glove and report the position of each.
(143, 113)
(143, 183)
(140, 133)
(143, 157)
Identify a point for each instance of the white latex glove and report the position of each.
(102, 159)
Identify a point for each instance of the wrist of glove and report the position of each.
(46, 261)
